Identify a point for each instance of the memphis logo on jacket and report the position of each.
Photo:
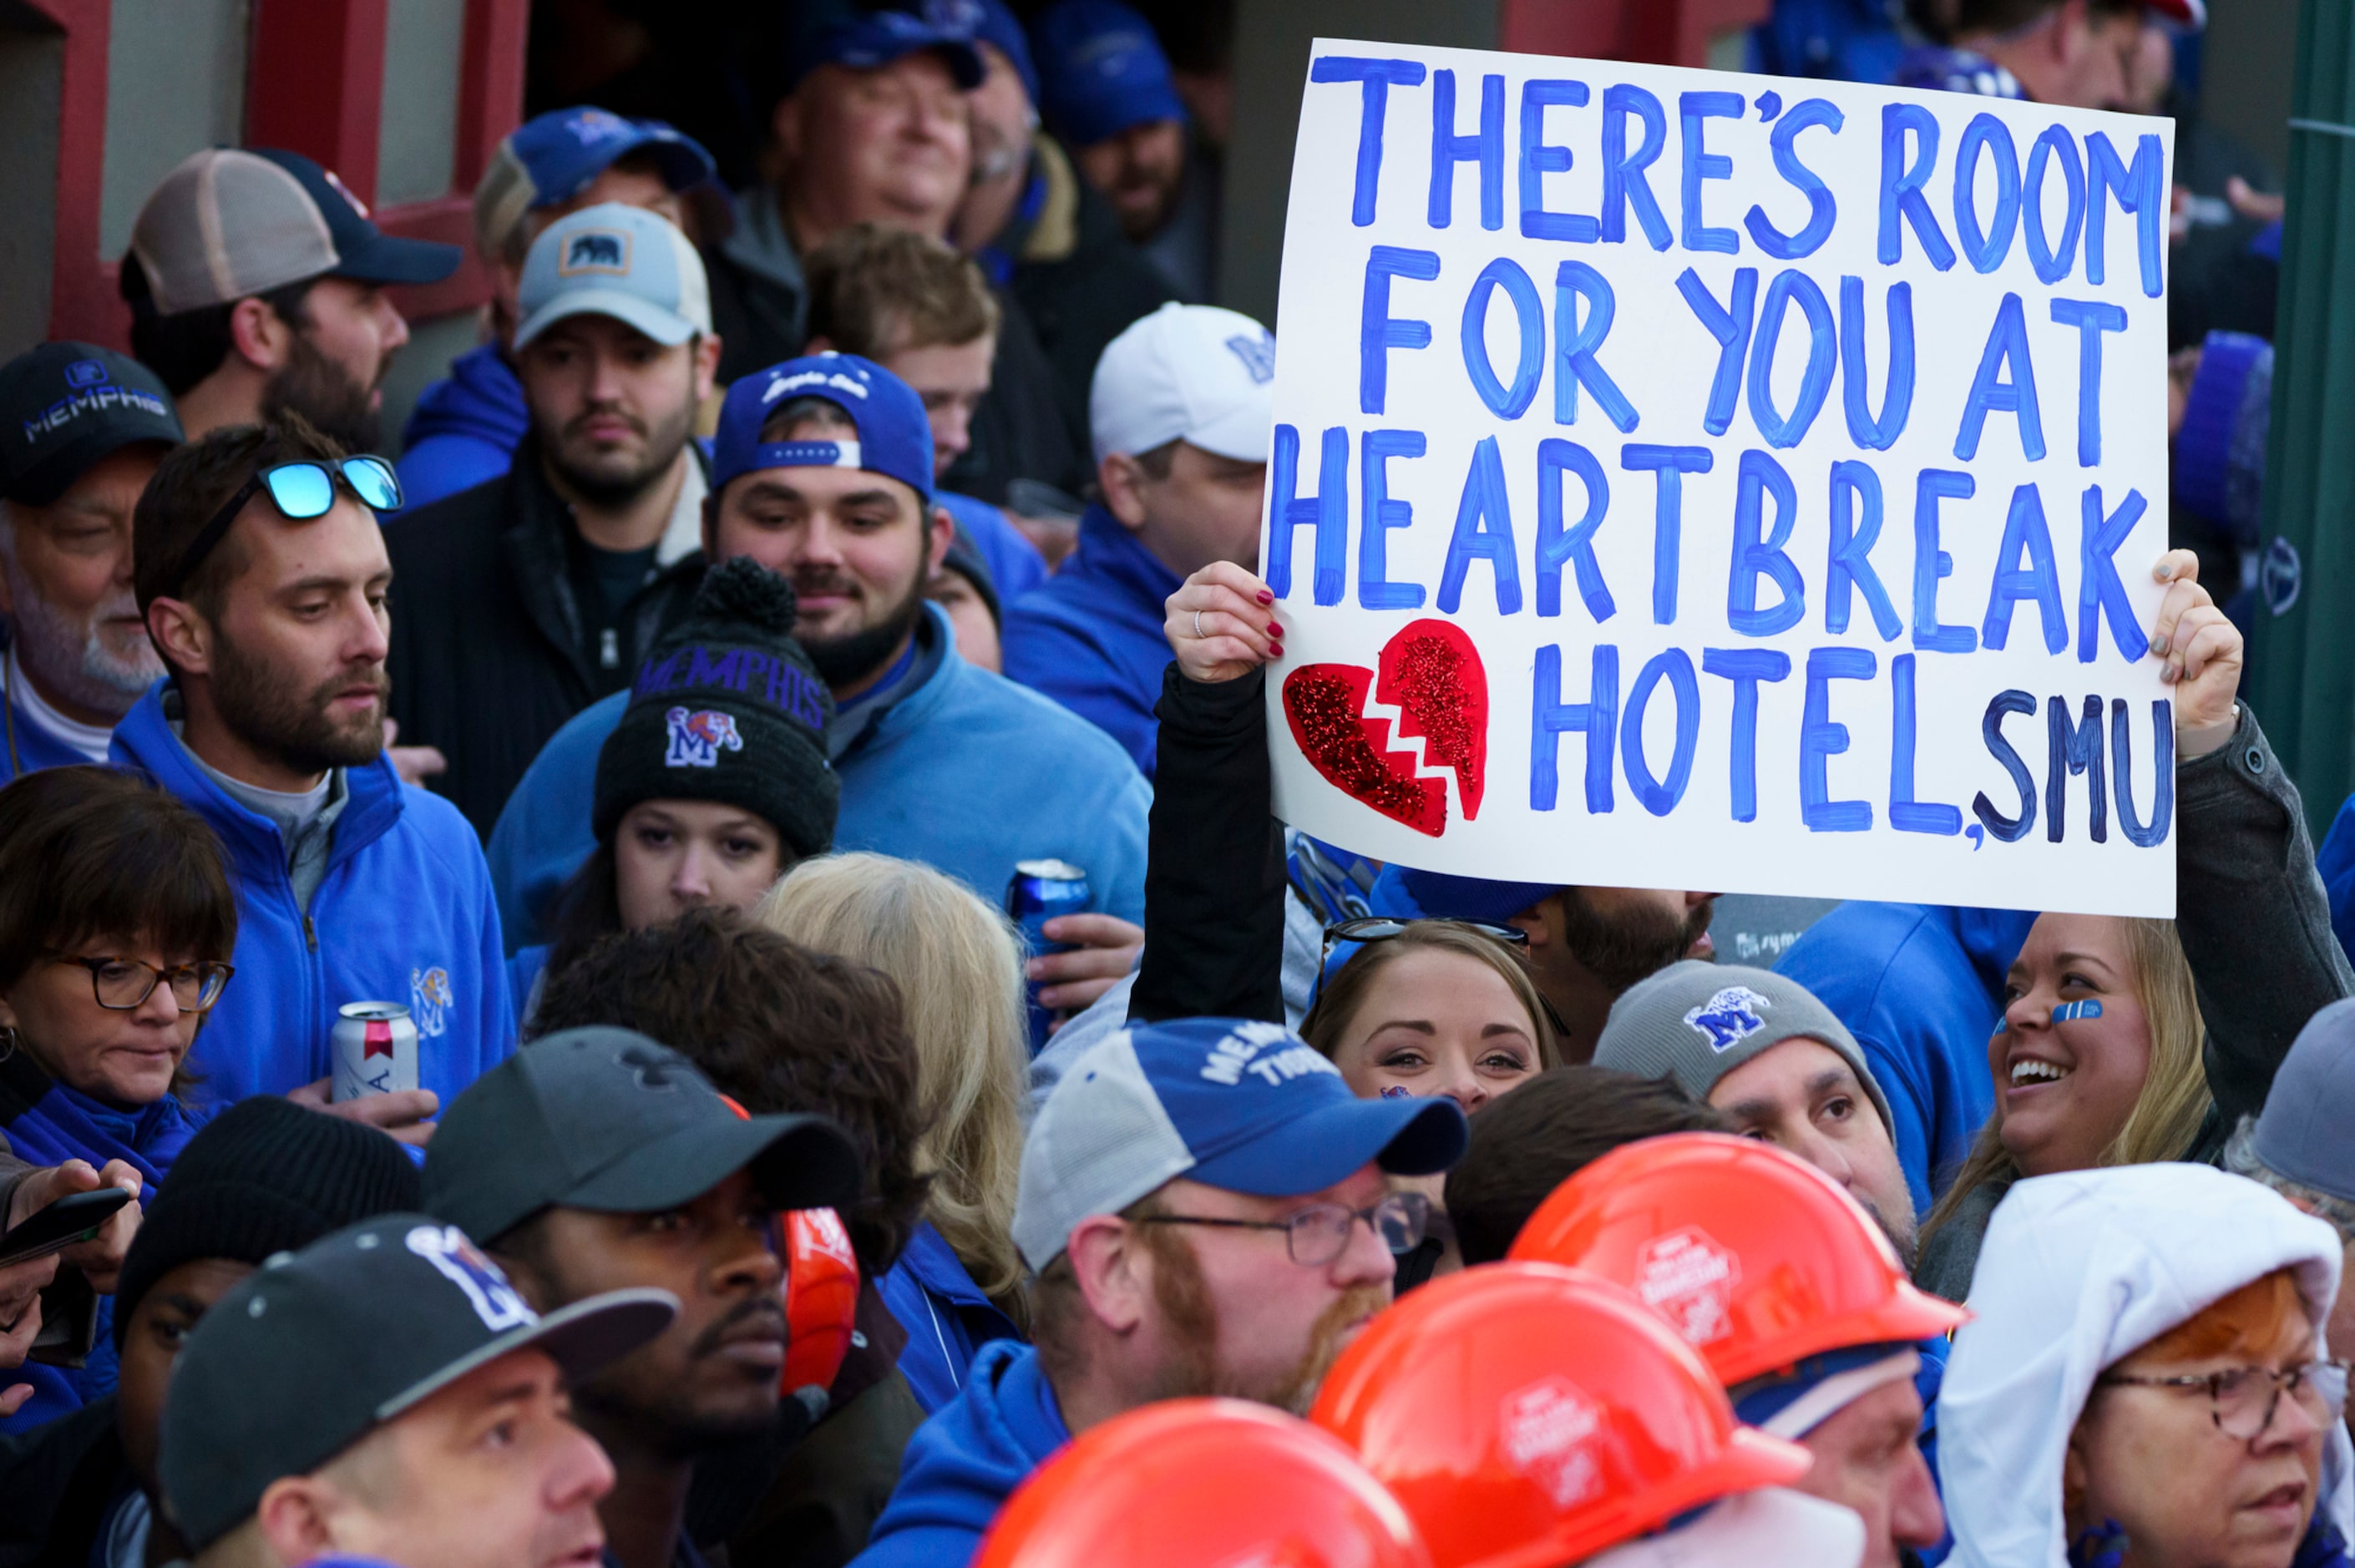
(430, 1001)
(698, 738)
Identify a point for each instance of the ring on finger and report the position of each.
(1198, 625)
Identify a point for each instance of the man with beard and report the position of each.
(1205, 1204)
(822, 472)
(1109, 95)
(526, 600)
(351, 886)
(256, 285)
(599, 1160)
(95, 426)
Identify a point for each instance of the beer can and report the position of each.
(1041, 890)
(375, 1049)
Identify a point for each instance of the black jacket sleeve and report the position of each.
(1214, 877)
(2254, 918)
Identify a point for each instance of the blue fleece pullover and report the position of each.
(947, 1317)
(404, 914)
(465, 430)
(962, 769)
(1091, 638)
(1920, 986)
(962, 1464)
(1015, 565)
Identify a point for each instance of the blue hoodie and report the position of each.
(404, 913)
(947, 1318)
(1015, 565)
(1920, 986)
(959, 768)
(962, 1464)
(1091, 638)
(465, 430)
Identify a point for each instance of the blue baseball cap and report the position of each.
(618, 260)
(555, 156)
(870, 40)
(894, 438)
(988, 22)
(1228, 1102)
(1101, 70)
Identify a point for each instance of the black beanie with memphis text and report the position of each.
(727, 707)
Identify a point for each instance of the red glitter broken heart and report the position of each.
(1431, 672)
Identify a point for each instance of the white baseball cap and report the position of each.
(1194, 372)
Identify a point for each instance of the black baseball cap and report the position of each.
(64, 406)
(609, 1121)
(317, 1348)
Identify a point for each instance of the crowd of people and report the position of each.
(526, 1038)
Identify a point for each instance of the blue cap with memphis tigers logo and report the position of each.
(894, 439)
(1228, 1102)
(553, 157)
(317, 1348)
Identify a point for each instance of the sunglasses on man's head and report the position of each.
(301, 491)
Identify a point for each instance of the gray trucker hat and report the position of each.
(1694, 1021)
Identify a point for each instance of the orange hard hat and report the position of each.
(821, 1291)
(1190, 1483)
(1756, 1257)
(1528, 1416)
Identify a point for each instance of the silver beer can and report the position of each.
(375, 1049)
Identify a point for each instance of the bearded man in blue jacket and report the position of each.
(1205, 1203)
(262, 577)
(822, 472)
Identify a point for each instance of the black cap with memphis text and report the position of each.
(316, 1349)
(608, 1120)
(66, 406)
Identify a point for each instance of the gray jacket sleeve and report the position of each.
(2254, 918)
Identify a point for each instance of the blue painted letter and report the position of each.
(2091, 318)
(1376, 77)
(1484, 531)
(1905, 813)
(1668, 465)
(2024, 530)
(1693, 110)
(1328, 510)
(1850, 562)
(1821, 214)
(2099, 591)
(1377, 331)
(1901, 183)
(1815, 382)
(1897, 399)
(1550, 718)
(1510, 402)
(1745, 667)
(1378, 515)
(1576, 344)
(1821, 739)
(1623, 181)
(1659, 797)
(2007, 344)
(1758, 477)
(1730, 327)
(1557, 459)
(1540, 158)
(1930, 562)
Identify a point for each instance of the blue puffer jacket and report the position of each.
(463, 431)
(1015, 565)
(958, 767)
(962, 1464)
(404, 914)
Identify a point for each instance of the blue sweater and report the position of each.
(404, 914)
(1920, 986)
(1015, 565)
(962, 1464)
(947, 1317)
(1091, 638)
(959, 768)
(465, 430)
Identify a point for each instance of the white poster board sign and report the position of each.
(1685, 479)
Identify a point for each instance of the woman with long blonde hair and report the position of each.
(2096, 1062)
(958, 965)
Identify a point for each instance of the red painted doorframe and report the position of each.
(314, 83)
